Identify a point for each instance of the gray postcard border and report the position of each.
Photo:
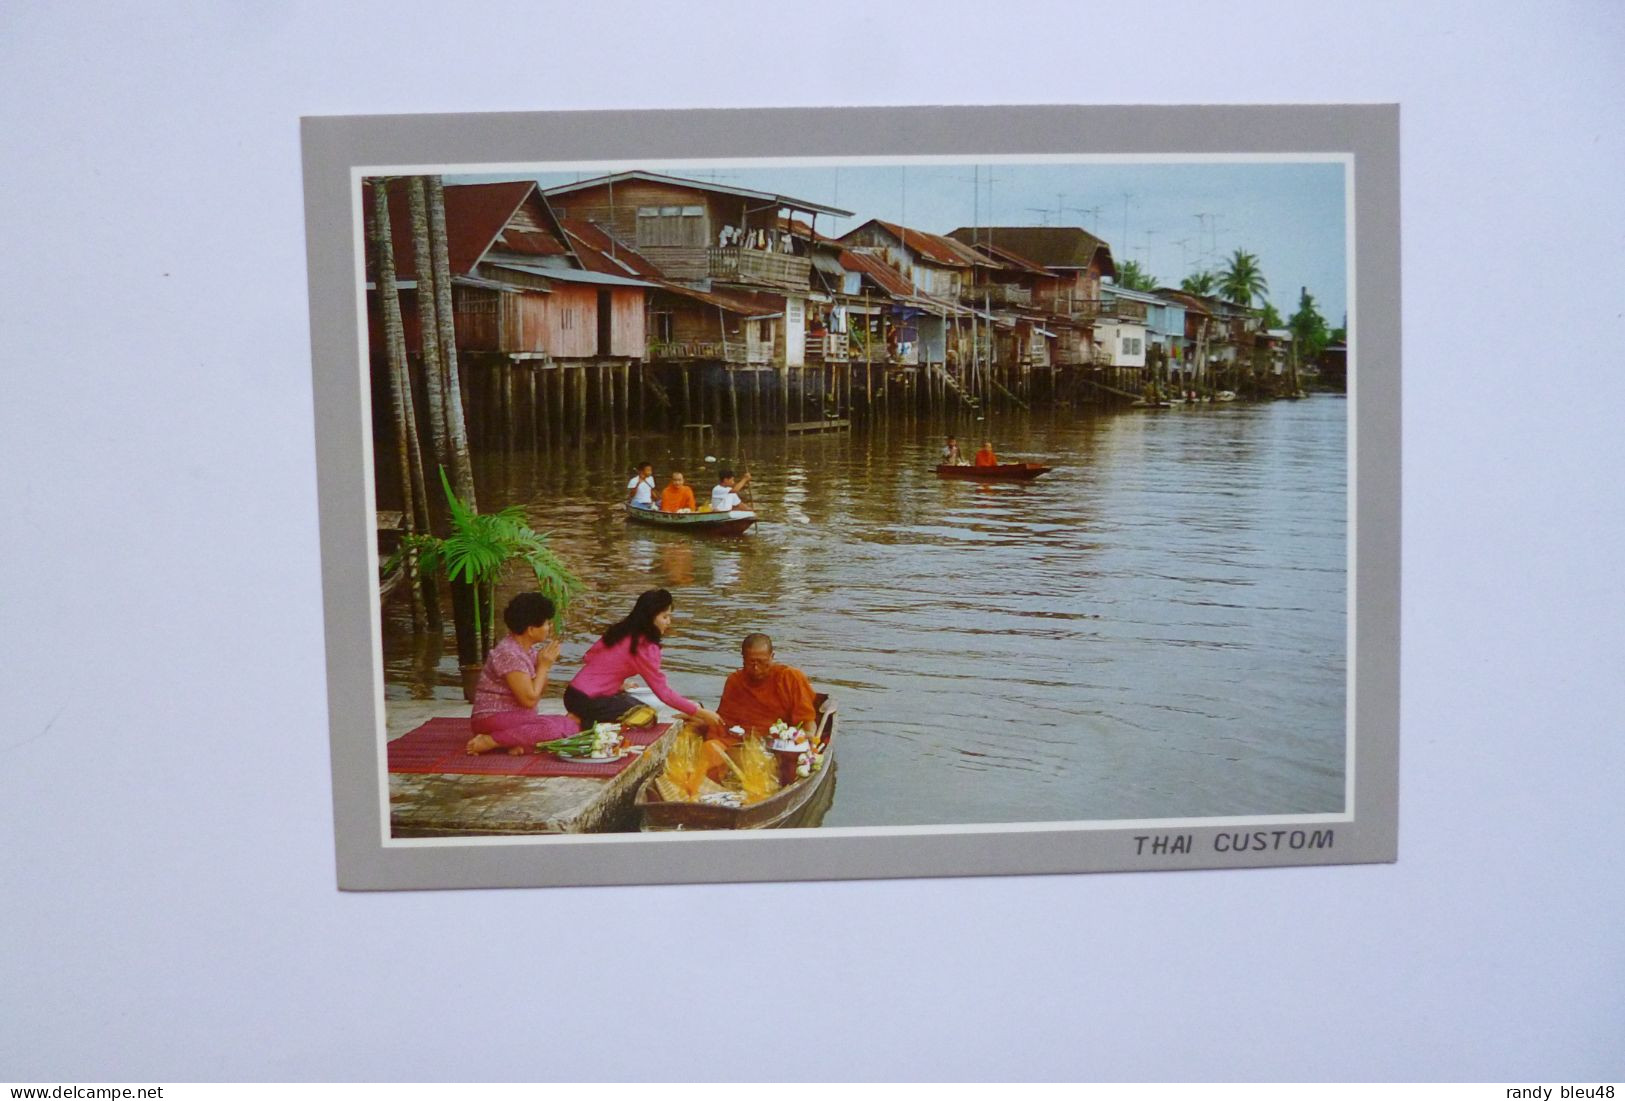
(333, 145)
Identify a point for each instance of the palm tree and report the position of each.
(1202, 284)
(477, 551)
(414, 504)
(428, 319)
(1242, 280)
(1134, 277)
(461, 467)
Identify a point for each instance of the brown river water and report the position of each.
(1157, 629)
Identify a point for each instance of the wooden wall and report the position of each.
(627, 336)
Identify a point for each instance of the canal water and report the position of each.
(1156, 629)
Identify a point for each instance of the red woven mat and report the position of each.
(437, 746)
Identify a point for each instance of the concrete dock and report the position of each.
(440, 805)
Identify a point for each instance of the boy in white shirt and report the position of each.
(640, 490)
(723, 497)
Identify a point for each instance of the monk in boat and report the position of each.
(678, 496)
(762, 692)
(985, 456)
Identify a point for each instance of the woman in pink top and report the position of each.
(629, 648)
(513, 680)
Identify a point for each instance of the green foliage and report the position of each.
(1308, 329)
(1272, 317)
(481, 546)
(1242, 279)
(1134, 277)
(1202, 283)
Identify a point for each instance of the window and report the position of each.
(663, 326)
(1131, 345)
(567, 318)
(671, 225)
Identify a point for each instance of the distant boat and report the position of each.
(700, 523)
(1004, 472)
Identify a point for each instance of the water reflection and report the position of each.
(1154, 629)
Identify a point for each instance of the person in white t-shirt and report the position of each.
(723, 497)
(641, 489)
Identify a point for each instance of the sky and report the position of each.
(1172, 217)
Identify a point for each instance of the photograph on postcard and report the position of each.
(861, 494)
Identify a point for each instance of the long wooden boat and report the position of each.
(706, 523)
(1004, 472)
(801, 803)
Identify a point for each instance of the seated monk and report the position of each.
(985, 456)
(762, 693)
(678, 496)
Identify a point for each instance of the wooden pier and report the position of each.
(444, 805)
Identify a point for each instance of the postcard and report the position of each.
(714, 496)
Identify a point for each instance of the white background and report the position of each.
(167, 908)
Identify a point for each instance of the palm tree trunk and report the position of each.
(400, 393)
(462, 468)
(428, 316)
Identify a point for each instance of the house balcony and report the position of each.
(1001, 294)
(1123, 309)
(733, 264)
(734, 353)
(827, 346)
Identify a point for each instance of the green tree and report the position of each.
(1309, 333)
(1134, 277)
(1271, 317)
(1242, 279)
(479, 549)
(1203, 283)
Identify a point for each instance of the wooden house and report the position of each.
(1075, 257)
(1201, 329)
(931, 265)
(698, 232)
(519, 290)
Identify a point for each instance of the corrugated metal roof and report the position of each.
(742, 303)
(574, 275)
(1013, 260)
(700, 185)
(598, 252)
(929, 245)
(1183, 298)
(881, 273)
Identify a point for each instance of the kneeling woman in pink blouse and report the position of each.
(513, 680)
(631, 647)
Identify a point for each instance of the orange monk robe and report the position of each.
(785, 693)
(674, 498)
(985, 457)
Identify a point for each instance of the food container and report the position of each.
(787, 760)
